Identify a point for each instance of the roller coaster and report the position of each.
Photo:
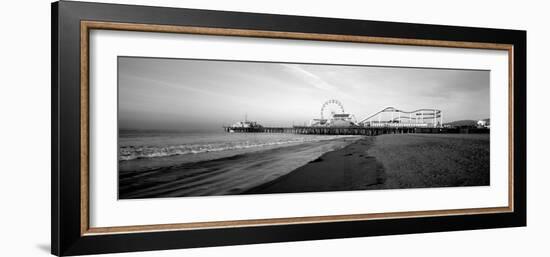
(393, 117)
(332, 114)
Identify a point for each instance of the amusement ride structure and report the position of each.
(334, 120)
(333, 115)
(392, 117)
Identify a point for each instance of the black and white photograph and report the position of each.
(194, 127)
(274, 128)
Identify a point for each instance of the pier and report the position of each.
(365, 131)
(335, 121)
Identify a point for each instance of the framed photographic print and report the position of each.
(178, 128)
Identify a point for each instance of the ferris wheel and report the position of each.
(330, 108)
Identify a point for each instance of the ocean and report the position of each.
(174, 164)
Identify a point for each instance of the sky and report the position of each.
(204, 95)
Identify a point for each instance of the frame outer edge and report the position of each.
(64, 222)
(67, 111)
(55, 230)
(520, 119)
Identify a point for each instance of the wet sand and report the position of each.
(349, 168)
(392, 162)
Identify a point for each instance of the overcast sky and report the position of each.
(195, 95)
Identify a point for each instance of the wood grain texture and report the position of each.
(85, 28)
(84, 129)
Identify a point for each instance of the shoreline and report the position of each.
(346, 169)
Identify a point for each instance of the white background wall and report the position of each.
(25, 127)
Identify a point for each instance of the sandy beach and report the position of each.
(433, 160)
(391, 162)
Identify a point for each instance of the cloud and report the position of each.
(318, 82)
(308, 77)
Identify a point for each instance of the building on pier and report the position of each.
(246, 125)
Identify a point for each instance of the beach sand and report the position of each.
(433, 160)
(391, 162)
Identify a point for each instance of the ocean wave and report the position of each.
(141, 152)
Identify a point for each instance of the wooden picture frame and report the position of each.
(71, 25)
